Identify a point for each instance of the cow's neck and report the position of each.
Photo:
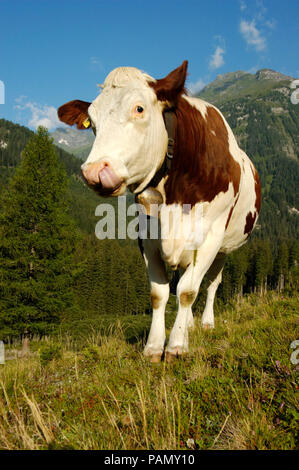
(154, 193)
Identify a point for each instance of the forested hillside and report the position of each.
(107, 280)
(13, 139)
(260, 112)
(73, 141)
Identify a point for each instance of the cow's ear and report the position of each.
(74, 112)
(170, 87)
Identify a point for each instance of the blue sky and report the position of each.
(55, 51)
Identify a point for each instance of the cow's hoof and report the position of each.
(155, 358)
(172, 356)
(207, 326)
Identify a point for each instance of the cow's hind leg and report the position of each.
(214, 276)
(159, 296)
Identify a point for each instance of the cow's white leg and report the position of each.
(214, 276)
(187, 291)
(190, 319)
(173, 286)
(159, 297)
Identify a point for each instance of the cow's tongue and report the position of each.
(109, 179)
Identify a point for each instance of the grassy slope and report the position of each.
(235, 390)
(229, 87)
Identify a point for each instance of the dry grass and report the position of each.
(235, 390)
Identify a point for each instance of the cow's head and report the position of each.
(127, 118)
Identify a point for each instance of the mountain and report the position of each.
(71, 140)
(235, 85)
(266, 124)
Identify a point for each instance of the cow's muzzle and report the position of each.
(102, 178)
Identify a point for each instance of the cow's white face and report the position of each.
(130, 138)
(127, 117)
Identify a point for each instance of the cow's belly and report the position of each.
(187, 231)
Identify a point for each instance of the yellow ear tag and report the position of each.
(86, 123)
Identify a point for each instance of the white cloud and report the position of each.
(243, 5)
(217, 58)
(261, 10)
(20, 99)
(252, 35)
(95, 62)
(39, 115)
(271, 24)
(253, 69)
(196, 87)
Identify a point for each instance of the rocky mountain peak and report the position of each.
(269, 74)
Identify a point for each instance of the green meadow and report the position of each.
(236, 389)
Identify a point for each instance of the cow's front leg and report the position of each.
(159, 297)
(187, 290)
(186, 294)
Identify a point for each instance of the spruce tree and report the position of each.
(37, 241)
(281, 266)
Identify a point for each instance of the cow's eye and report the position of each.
(138, 110)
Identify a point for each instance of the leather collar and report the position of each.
(169, 121)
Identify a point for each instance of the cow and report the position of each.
(176, 151)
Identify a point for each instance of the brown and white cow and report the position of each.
(208, 170)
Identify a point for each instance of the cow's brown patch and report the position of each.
(250, 220)
(231, 212)
(229, 216)
(257, 187)
(74, 112)
(155, 299)
(187, 298)
(257, 191)
(252, 216)
(202, 164)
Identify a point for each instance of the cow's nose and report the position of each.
(101, 173)
(91, 173)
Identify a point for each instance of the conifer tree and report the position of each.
(281, 266)
(37, 241)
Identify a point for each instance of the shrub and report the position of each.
(48, 352)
